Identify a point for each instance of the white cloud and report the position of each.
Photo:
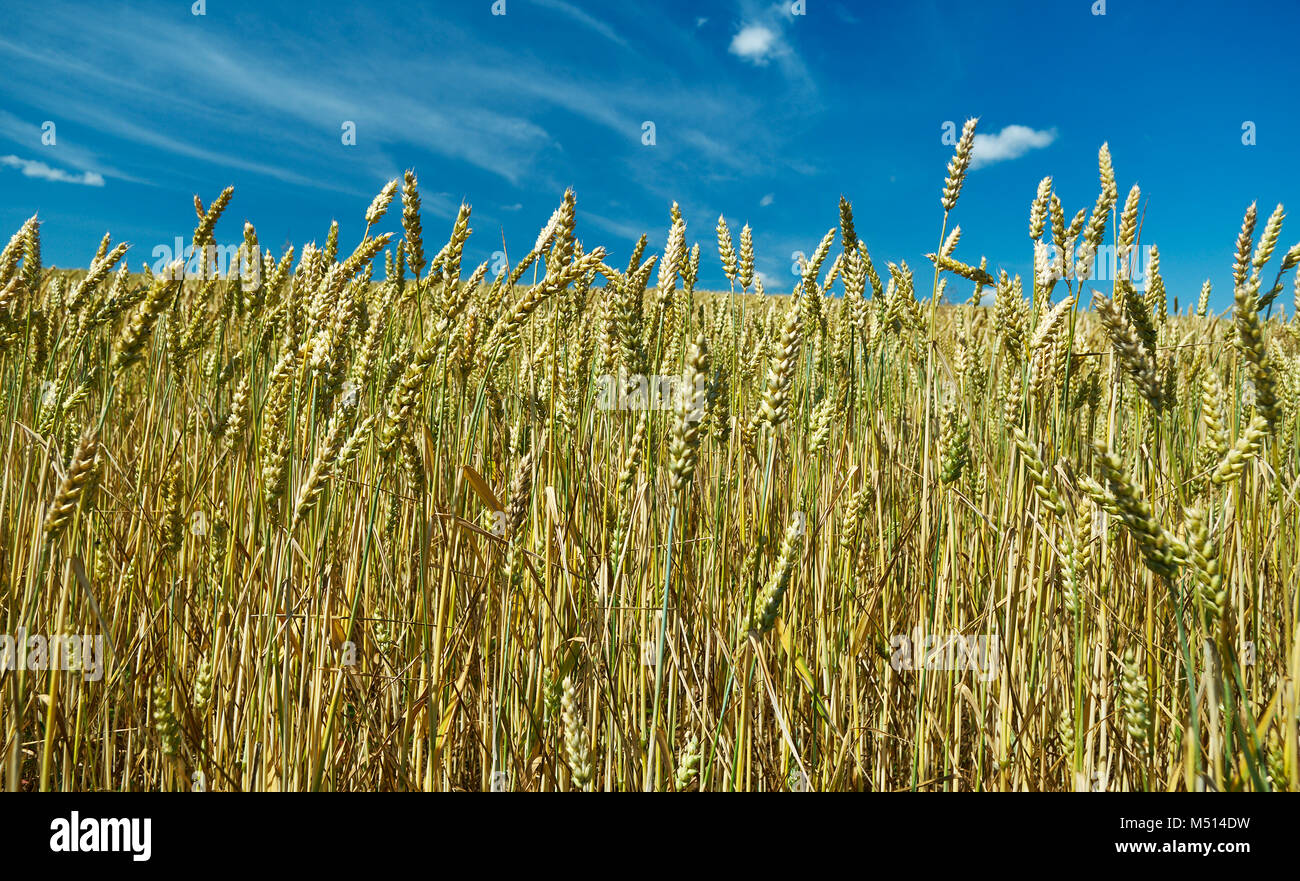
(35, 168)
(1012, 142)
(763, 35)
(24, 133)
(701, 22)
(756, 43)
(767, 200)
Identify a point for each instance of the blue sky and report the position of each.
(760, 114)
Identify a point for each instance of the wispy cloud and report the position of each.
(85, 92)
(493, 111)
(621, 228)
(251, 88)
(38, 169)
(25, 133)
(1012, 142)
(583, 18)
(767, 200)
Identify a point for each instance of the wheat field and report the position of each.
(571, 525)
